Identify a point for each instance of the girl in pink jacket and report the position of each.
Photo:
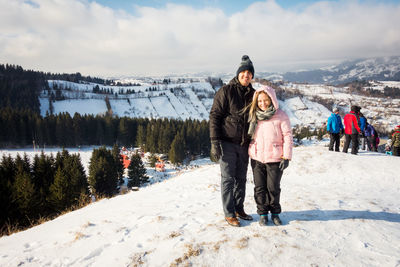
(270, 151)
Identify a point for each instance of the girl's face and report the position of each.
(263, 101)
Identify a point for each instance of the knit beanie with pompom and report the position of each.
(246, 64)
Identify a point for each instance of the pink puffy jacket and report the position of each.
(272, 138)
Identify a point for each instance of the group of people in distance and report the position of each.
(247, 122)
(355, 127)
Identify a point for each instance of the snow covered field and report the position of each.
(338, 210)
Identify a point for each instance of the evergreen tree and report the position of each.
(78, 182)
(136, 172)
(78, 128)
(58, 191)
(60, 131)
(43, 175)
(103, 176)
(141, 136)
(150, 137)
(110, 130)
(132, 130)
(59, 161)
(123, 132)
(100, 132)
(204, 134)
(23, 193)
(70, 184)
(7, 177)
(118, 161)
(167, 136)
(177, 152)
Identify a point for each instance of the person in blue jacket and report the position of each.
(371, 134)
(334, 128)
(363, 124)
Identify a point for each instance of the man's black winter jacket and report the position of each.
(228, 121)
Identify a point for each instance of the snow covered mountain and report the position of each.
(381, 69)
(307, 104)
(174, 100)
(338, 210)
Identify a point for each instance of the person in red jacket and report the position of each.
(351, 130)
(396, 141)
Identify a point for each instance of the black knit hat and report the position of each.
(355, 108)
(246, 64)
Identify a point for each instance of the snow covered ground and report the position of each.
(338, 210)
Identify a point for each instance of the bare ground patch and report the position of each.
(138, 259)
(191, 251)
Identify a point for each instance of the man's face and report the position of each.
(245, 77)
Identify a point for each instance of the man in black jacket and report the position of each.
(230, 141)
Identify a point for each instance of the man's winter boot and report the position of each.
(263, 220)
(275, 219)
(242, 215)
(233, 221)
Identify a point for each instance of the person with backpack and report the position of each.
(334, 128)
(371, 134)
(363, 124)
(351, 130)
(396, 141)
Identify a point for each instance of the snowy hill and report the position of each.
(176, 100)
(193, 100)
(337, 211)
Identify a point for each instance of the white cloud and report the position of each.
(72, 35)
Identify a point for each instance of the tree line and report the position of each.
(22, 128)
(365, 88)
(31, 192)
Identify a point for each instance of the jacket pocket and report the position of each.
(232, 127)
(277, 150)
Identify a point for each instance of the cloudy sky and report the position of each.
(153, 37)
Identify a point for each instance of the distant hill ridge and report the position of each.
(380, 68)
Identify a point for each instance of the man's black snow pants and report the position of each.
(267, 186)
(233, 163)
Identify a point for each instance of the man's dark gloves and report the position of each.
(216, 151)
(283, 164)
